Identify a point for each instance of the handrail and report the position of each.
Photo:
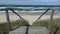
(15, 13)
(42, 14)
(7, 15)
(51, 18)
(18, 16)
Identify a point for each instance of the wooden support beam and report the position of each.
(16, 13)
(42, 14)
(51, 20)
(8, 20)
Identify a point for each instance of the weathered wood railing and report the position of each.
(51, 18)
(8, 19)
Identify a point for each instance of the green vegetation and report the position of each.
(44, 23)
(19, 22)
(4, 26)
(41, 23)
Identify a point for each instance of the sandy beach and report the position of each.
(29, 18)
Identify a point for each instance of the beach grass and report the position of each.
(44, 23)
(4, 26)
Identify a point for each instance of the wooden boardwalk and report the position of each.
(30, 30)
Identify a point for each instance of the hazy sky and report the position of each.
(30, 2)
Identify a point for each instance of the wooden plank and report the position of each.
(31, 30)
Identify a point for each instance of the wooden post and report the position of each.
(51, 21)
(8, 20)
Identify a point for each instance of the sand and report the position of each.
(29, 18)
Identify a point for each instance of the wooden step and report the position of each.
(30, 30)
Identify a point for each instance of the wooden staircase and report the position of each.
(30, 30)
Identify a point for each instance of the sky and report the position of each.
(29, 2)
